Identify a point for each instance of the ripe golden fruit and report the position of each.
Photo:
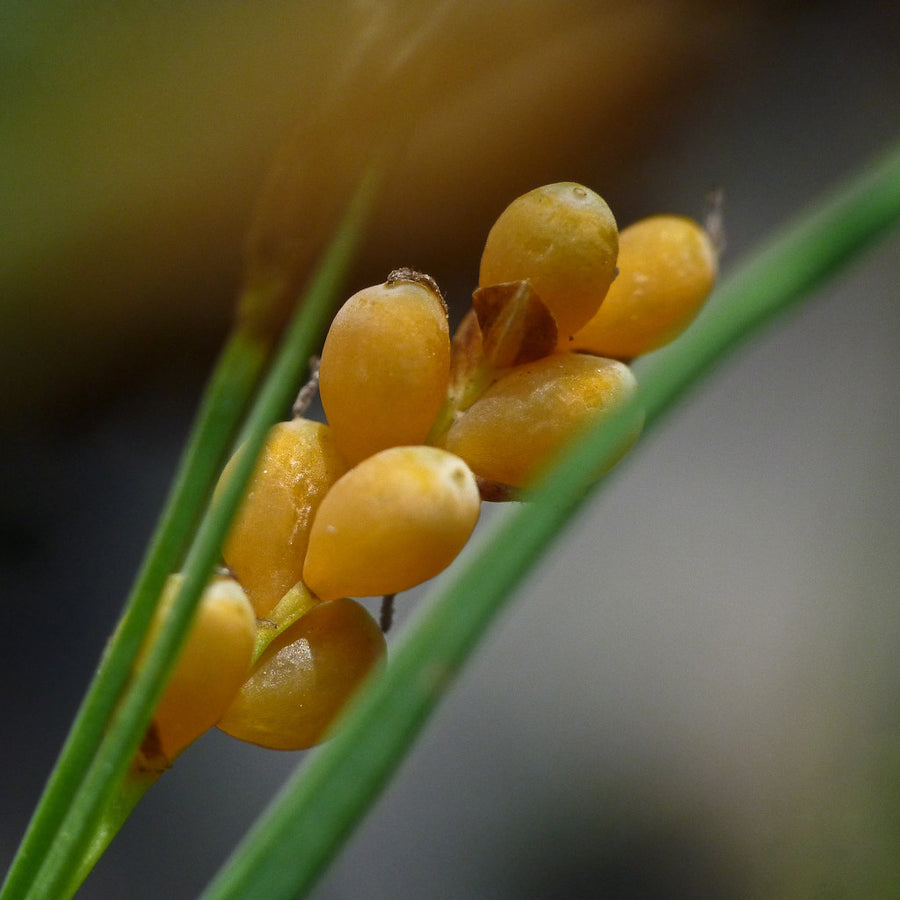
(394, 521)
(563, 239)
(525, 417)
(212, 666)
(667, 268)
(305, 676)
(267, 541)
(385, 367)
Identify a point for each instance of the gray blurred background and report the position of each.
(695, 694)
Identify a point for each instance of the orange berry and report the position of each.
(563, 239)
(212, 665)
(397, 519)
(305, 676)
(267, 541)
(525, 417)
(385, 367)
(667, 268)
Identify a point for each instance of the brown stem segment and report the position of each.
(386, 619)
(307, 393)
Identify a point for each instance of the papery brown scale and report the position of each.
(516, 326)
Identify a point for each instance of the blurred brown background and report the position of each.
(695, 697)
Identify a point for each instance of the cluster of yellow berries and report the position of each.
(420, 429)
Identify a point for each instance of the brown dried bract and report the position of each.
(150, 757)
(495, 492)
(516, 326)
(465, 355)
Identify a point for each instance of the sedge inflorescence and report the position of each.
(420, 428)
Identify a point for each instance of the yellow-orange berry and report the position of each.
(563, 239)
(667, 268)
(267, 541)
(385, 367)
(525, 417)
(305, 676)
(211, 668)
(394, 521)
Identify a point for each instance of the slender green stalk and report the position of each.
(114, 816)
(98, 788)
(392, 61)
(228, 392)
(287, 850)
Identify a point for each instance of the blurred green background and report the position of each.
(696, 694)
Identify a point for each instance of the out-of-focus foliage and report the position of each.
(134, 139)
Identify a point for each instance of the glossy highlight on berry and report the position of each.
(305, 676)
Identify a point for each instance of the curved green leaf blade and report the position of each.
(287, 850)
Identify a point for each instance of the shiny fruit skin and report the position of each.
(563, 239)
(305, 676)
(385, 368)
(211, 667)
(527, 416)
(267, 541)
(396, 520)
(667, 269)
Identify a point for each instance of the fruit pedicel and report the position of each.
(420, 429)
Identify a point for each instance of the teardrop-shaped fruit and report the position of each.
(525, 417)
(385, 367)
(396, 520)
(563, 239)
(213, 664)
(667, 268)
(305, 676)
(267, 541)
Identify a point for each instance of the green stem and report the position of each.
(288, 848)
(113, 817)
(290, 608)
(111, 760)
(481, 377)
(226, 396)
